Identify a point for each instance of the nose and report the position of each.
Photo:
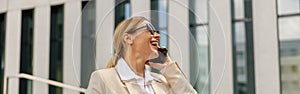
(156, 35)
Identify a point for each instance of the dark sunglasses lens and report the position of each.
(152, 32)
(152, 29)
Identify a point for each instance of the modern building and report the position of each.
(223, 46)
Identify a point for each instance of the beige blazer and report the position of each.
(172, 81)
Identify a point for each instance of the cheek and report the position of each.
(143, 39)
(143, 44)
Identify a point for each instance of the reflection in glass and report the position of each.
(289, 36)
(56, 47)
(159, 18)
(288, 6)
(199, 66)
(2, 45)
(241, 56)
(239, 9)
(199, 9)
(122, 10)
(199, 46)
(289, 28)
(26, 51)
(88, 44)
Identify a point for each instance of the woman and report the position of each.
(135, 43)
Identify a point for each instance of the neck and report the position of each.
(135, 62)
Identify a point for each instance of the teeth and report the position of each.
(154, 43)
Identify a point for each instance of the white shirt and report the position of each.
(126, 73)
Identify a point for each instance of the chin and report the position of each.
(154, 54)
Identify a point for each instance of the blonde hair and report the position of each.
(126, 26)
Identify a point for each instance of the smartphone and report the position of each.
(162, 56)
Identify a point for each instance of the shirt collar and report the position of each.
(126, 73)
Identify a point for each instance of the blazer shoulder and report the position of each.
(102, 73)
(105, 81)
(107, 70)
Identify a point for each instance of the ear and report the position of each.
(128, 39)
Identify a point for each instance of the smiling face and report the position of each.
(144, 42)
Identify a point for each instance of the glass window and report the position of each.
(26, 50)
(56, 47)
(199, 46)
(289, 28)
(88, 43)
(199, 56)
(289, 38)
(159, 18)
(2, 50)
(288, 6)
(240, 58)
(239, 9)
(199, 9)
(122, 11)
(242, 36)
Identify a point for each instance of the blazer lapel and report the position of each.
(113, 82)
(158, 87)
(133, 87)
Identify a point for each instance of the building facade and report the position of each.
(223, 47)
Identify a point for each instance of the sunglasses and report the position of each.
(150, 27)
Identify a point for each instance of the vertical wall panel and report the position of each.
(12, 50)
(267, 79)
(72, 44)
(140, 8)
(179, 33)
(42, 3)
(41, 48)
(3, 5)
(220, 47)
(20, 4)
(104, 32)
(56, 2)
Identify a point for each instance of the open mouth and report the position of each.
(154, 43)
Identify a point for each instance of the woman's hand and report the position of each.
(160, 66)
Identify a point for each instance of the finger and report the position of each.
(147, 63)
(157, 66)
(163, 47)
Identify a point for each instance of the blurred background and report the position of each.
(223, 46)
